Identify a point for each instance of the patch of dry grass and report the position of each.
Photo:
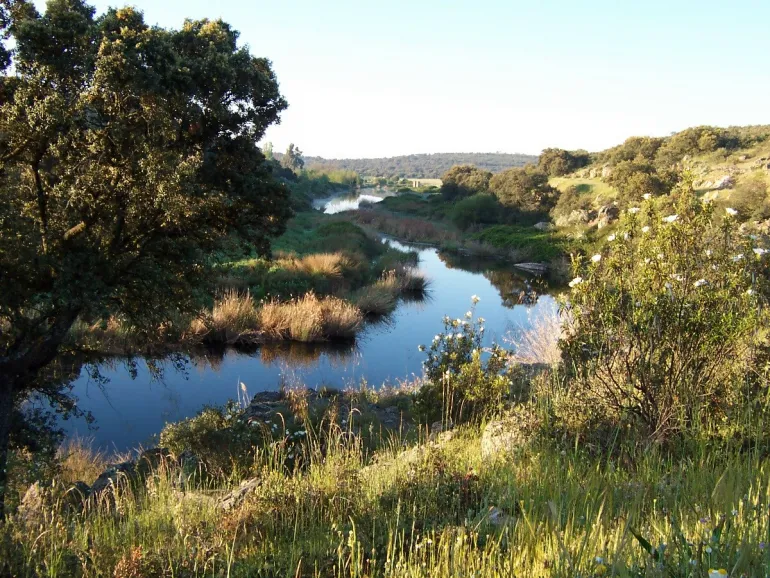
(233, 319)
(309, 318)
(79, 461)
(324, 264)
(539, 343)
(375, 300)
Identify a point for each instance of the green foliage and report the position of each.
(636, 178)
(292, 159)
(475, 210)
(570, 200)
(464, 382)
(750, 198)
(558, 162)
(525, 189)
(635, 148)
(535, 245)
(665, 320)
(463, 181)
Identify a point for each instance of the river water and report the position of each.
(136, 402)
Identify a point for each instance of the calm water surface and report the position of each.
(136, 403)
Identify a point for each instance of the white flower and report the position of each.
(458, 335)
(437, 338)
(700, 283)
(737, 257)
(760, 251)
(735, 512)
(670, 218)
(646, 229)
(708, 252)
(420, 348)
(611, 238)
(646, 196)
(708, 550)
(481, 320)
(634, 210)
(625, 236)
(468, 314)
(475, 299)
(730, 211)
(677, 277)
(721, 573)
(599, 560)
(576, 281)
(749, 291)
(596, 258)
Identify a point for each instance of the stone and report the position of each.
(543, 226)
(724, 182)
(606, 171)
(237, 496)
(607, 215)
(743, 158)
(503, 436)
(31, 511)
(112, 477)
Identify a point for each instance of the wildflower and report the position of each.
(762, 545)
(475, 299)
(677, 277)
(428, 541)
(576, 281)
(759, 251)
(626, 236)
(633, 210)
(420, 348)
(458, 335)
(708, 252)
(670, 218)
(596, 258)
(730, 211)
(693, 562)
(709, 550)
(481, 320)
(646, 196)
(735, 512)
(749, 291)
(737, 257)
(437, 338)
(717, 573)
(646, 229)
(611, 238)
(468, 314)
(599, 560)
(700, 283)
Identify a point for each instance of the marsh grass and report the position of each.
(310, 318)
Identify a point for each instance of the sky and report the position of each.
(383, 78)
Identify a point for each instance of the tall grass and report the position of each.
(538, 343)
(310, 318)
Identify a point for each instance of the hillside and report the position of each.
(426, 166)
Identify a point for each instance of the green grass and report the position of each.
(594, 187)
(532, 244)
(439, 510)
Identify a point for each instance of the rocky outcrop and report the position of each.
(725, 182)
(543, 226)
(502, 437)
(576, 217)
(607, 215)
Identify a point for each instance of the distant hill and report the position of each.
(424, 166)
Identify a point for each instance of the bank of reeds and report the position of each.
(381, 297)
(310, 318)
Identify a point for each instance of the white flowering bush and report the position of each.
(665, 320)
(464, 380)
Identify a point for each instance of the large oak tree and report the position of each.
(127, 154)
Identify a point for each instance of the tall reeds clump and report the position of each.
(233, 319)
(309, 318)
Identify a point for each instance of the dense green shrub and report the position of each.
(525, 189)
(558, 162)
(464, 381)
(464, 180)
(750, 198)
(478, 209)
(571, 200)
(664, 321)
(637, 178)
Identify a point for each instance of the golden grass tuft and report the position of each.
(233, 318)
(309, 318)
(375, 300)
(78, 461)
(322, 264)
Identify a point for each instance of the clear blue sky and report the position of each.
(367, 78)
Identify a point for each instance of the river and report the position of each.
(136, 402)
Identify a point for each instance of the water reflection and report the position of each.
(351, 201)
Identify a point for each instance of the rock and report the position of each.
(606, 171)
(497, 517)
(534, 268)
(593, 173)
(742, 158)
(724, 182)
(34, 504)
(503, 436)
(112, 477)
(543, 226)
(236, 497)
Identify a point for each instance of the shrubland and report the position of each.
(639, 449)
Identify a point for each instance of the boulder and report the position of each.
(543, 226)
(114, 476)
(238, 495)
(724, 182)
(606, 171)
(34, 504)
(578, 216)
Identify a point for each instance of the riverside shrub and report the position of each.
(665, 319)
(465, 382)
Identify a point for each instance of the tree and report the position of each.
(127, 155)
(267, 150)
(558, 162)
(637, 178)
(525, 189)
(463, 181)
(292, 158)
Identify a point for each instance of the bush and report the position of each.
(664, 321)
(461, 385)
(750, 198)
(571, 200)
(478, 209)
